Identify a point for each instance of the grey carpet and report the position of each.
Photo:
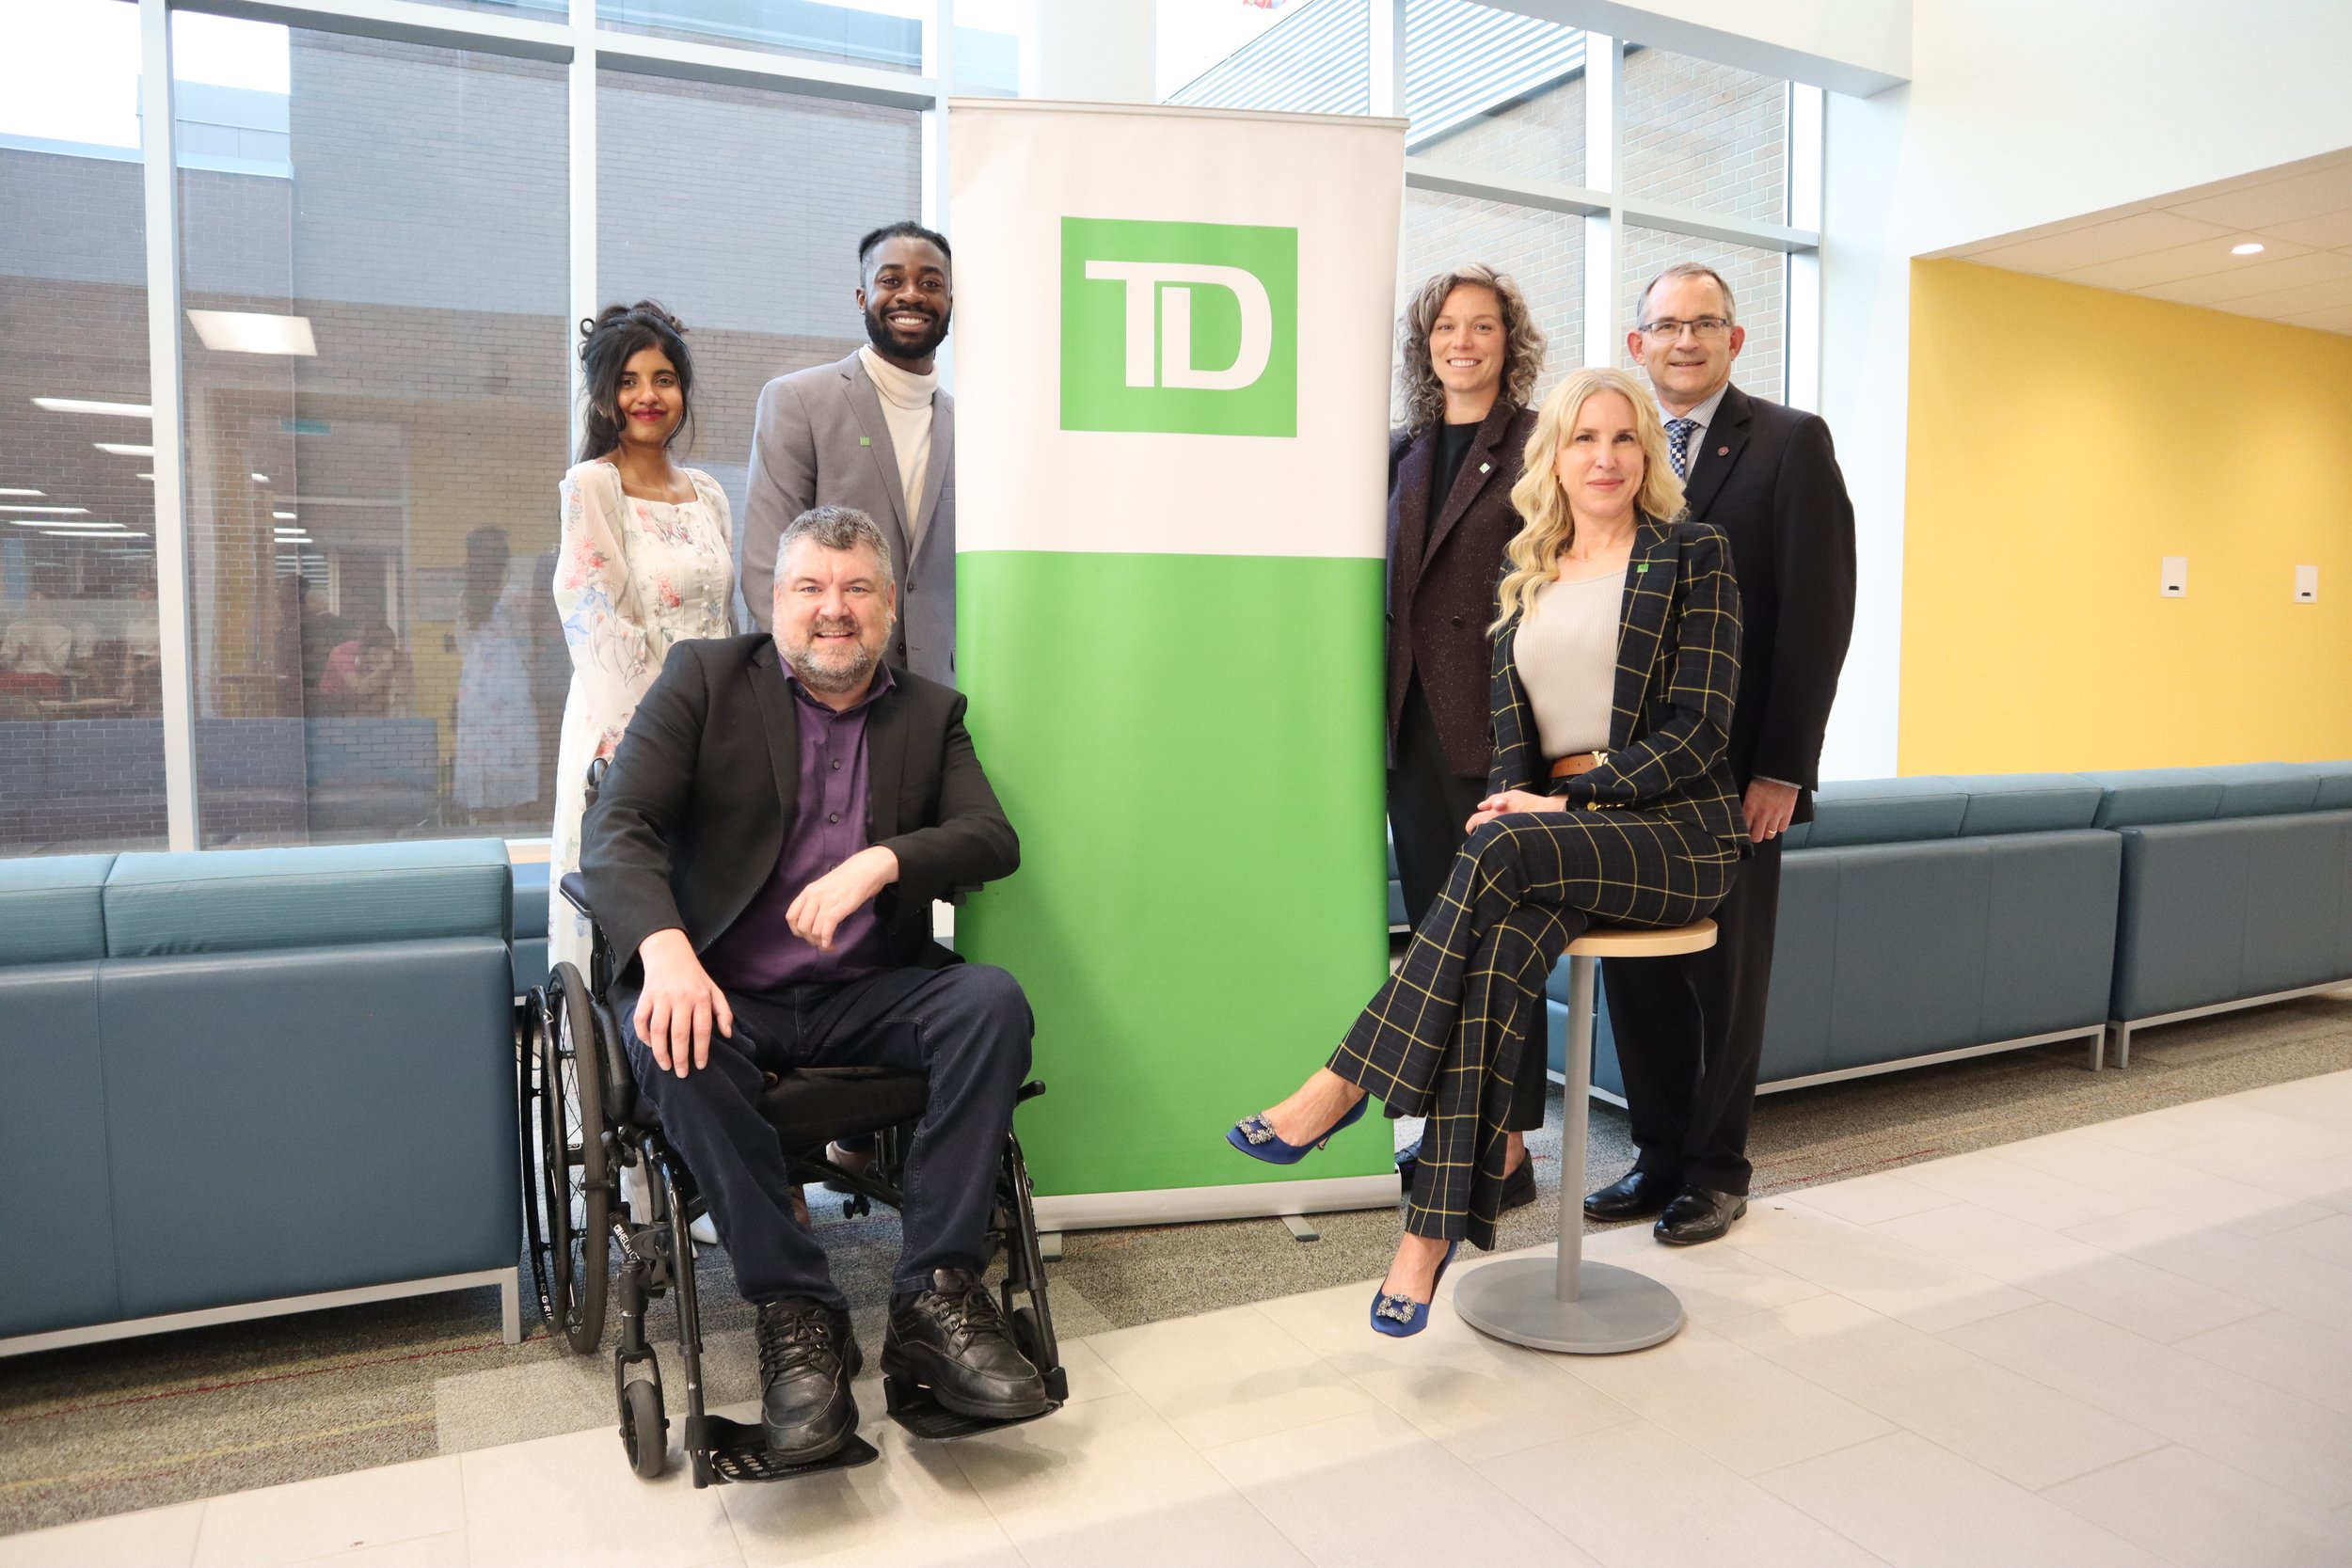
(110, 1427)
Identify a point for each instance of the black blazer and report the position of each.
(1677, 686)
(690, 820)
(1766, 476)
(1442, 580)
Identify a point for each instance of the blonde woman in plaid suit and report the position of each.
(1643, 829)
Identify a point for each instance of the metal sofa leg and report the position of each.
(2122, 1044)
(510, 1307)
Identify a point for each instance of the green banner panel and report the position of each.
(1188, 746)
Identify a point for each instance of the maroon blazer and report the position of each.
(1441, 579)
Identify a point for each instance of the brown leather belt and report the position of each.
(1578, 762)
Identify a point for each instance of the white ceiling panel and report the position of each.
(2265, 277)
(2337, 320)
(2201, 260)
(2293, 302)
(2179, 247)
(2329, 230)
(2099, 242)
(2302, 196)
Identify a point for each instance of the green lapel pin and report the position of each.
(1639, 568)
(866, 440)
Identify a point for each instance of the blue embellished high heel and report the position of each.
(1255, 1136)
(1402, 1317)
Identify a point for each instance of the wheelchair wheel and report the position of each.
(644, 1431)
(574, 1176)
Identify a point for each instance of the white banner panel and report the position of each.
(1171, 459)
(1026, 478)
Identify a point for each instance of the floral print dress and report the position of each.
(631, 577)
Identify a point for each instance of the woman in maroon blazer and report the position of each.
(1472, 353)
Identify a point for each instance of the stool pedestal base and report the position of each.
(1616, 1310)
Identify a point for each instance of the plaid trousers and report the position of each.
(1443, 1037)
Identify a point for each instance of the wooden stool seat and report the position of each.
(1643, 941)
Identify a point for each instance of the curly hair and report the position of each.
(608, 342)
(1522, 344)
(1546, 526)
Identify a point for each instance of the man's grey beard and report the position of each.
(833, 676)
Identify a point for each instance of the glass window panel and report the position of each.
(1315, 59)
(80, 727)
(881, 34)
(374, 359)
(1706, 135)
(1493, 90)
(1543, 252)
(763, 288)
(1759, 290)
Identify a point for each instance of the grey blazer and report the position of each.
(806, 451)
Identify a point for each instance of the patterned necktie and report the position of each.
(1678, 445)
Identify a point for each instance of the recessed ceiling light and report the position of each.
(254, 332)
(121, 450)
(50, 511)
(93, 533)
(284, 517)
(2250, 247)
(260, 479)
(81, 406)
(23, 492)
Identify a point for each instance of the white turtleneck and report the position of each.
(906, 406)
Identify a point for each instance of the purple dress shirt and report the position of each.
(760, 953)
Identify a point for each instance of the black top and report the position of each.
(1454, 444)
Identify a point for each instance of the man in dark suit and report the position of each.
(763, 856)
(1691, 1030)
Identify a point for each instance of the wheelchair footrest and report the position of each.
(912, 1407)
(738, 1452)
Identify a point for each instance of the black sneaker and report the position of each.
(808, 1356)
(952, 1339)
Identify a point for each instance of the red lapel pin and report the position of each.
(1723, 451)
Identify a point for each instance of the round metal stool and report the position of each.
(1563, 1302)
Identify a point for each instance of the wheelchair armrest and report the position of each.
(575, 890)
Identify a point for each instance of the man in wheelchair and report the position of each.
(762, 856)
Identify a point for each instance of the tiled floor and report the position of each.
(2129, 1344)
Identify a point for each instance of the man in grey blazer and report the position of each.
(875, 432)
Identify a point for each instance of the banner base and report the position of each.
(1243, 1201)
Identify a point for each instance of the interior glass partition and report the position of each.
(81, 701)
(374, 348)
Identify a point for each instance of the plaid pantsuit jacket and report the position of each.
(1651, 837)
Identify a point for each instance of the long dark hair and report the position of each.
(606, 345)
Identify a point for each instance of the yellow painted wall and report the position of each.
(2063, 440)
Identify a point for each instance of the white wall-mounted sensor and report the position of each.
(2307, 585)
(2173, 582)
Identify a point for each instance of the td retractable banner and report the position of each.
(1172, 368)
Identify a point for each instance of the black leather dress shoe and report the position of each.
(807, 1357)
(1637, 1193)
(1519, 1187)
(952, 1339)
(1698, 1215)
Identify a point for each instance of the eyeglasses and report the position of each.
(1705, 328)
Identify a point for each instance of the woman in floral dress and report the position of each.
(646, 559)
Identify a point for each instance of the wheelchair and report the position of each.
(582, 1123)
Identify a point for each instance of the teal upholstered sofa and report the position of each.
(242, 1083)
(2237, 888)
(1926, 919)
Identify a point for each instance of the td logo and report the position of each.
(1187, 328)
